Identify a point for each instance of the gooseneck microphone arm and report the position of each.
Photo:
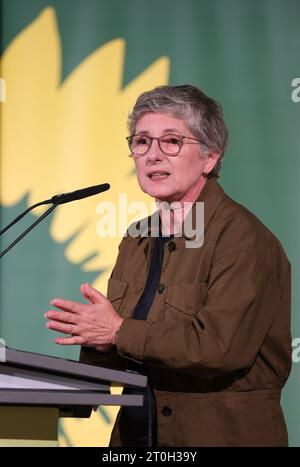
(20, 216)
(27, 230)
(55, 201)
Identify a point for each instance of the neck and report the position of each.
(193, 193)
(172, 219)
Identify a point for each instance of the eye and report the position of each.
(141, 140)
(172, 139)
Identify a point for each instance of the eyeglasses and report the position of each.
(170, 145)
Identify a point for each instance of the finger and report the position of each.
(63, 316)
(75, 340)
(60, 327)
(67, 305)
(91, 294)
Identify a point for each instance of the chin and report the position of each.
(160, 190)
(157, 192)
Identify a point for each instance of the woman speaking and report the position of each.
(207, 321)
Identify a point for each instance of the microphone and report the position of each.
(55, 201)
(79, 194)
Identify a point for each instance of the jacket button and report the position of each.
(166, 411)
(171, 246)
(161, 288)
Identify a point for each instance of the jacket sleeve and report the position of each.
(226, 333)
(110, 359)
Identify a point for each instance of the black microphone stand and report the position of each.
(55, 201)
(48, 201)
(29, 228)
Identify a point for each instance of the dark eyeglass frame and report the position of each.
(151, 138)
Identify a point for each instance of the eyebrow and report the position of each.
(166, 131)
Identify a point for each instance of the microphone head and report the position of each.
(80, 194)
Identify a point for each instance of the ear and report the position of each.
(211, 160)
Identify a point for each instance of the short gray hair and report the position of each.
(202, 115)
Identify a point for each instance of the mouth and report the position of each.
(158, 175)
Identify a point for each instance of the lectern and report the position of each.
(36, 389)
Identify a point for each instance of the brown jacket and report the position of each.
(217, 338)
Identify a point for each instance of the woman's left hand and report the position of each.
(91, 325)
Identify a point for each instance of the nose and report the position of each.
(154, 153)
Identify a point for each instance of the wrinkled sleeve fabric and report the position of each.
(225, 334)
(110, 359)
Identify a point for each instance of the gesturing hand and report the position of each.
(92, 325)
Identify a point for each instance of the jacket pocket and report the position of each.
(186, 298)
(116, 291)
